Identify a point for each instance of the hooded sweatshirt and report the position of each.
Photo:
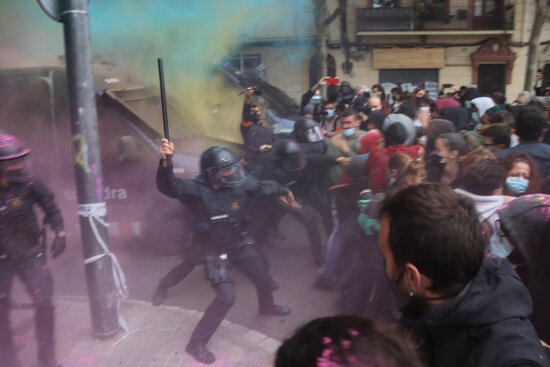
(483, 104)
(377, 163)
(486, 206)
(527, 222)
(485, 325)
(407, 123)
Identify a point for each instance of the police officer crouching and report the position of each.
(20, 251)
(221, 194)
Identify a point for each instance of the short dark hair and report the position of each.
(499, 99)
(351, 341)
(436, 230)
(397, 90)
(395, 134)
(350, 111)
(408, 108)
(500, 133)
(483, 177)
(504, 116)
(530, 123)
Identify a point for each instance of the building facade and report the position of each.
(478, 43)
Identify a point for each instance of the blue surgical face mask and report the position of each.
(500, 246)
(330, 114)
(475, 117)
(316, 97)
(348, 132)
(517, 185)
(468, 104)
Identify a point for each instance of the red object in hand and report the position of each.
(333, 81)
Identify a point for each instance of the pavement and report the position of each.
(157, 338)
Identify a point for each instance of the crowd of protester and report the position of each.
(449, 199)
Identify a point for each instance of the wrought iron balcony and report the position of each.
(385, 19)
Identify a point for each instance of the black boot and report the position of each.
(200, 352)
(46, 343)
(160, 295)
(275, 310)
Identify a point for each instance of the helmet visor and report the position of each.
(229, 176)
(314, 134)
(16, 170)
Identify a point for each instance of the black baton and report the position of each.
(164, 110)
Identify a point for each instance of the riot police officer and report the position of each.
(21, 253)
(285, 166)
(315, 177)
(221, 195)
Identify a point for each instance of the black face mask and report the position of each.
(416, 305)
(255, 118)
(400, 299)
(18, 175)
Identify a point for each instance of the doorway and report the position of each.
(491, 78)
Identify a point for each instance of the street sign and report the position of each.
(53, 8)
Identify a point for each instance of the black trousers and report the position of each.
(318, 202)
(250, 262)
(191, 257)
(38, 282)
(309, 220)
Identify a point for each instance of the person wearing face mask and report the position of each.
(482, 182)
(329, 122)
(461, 307)
(313, 92)
(345, 144)
(521, 176)
(378, 91)
(525, 225)
(21, 253)
(257, 138)
(531, 125)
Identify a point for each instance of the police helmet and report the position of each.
(13, 154)
(12, 148)
(345, 87)
(221, 166)
(289, 156)
(306, 130)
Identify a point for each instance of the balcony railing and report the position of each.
(385, 19)
(405, 19)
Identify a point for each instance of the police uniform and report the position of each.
(22, 255)
(222, 220)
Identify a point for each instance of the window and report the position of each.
(243, 63)
(487, 14)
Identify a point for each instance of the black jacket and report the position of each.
(19, 229)
(254, 135)
(221, 215)
(485, 325)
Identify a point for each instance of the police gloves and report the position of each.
(58, 245)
